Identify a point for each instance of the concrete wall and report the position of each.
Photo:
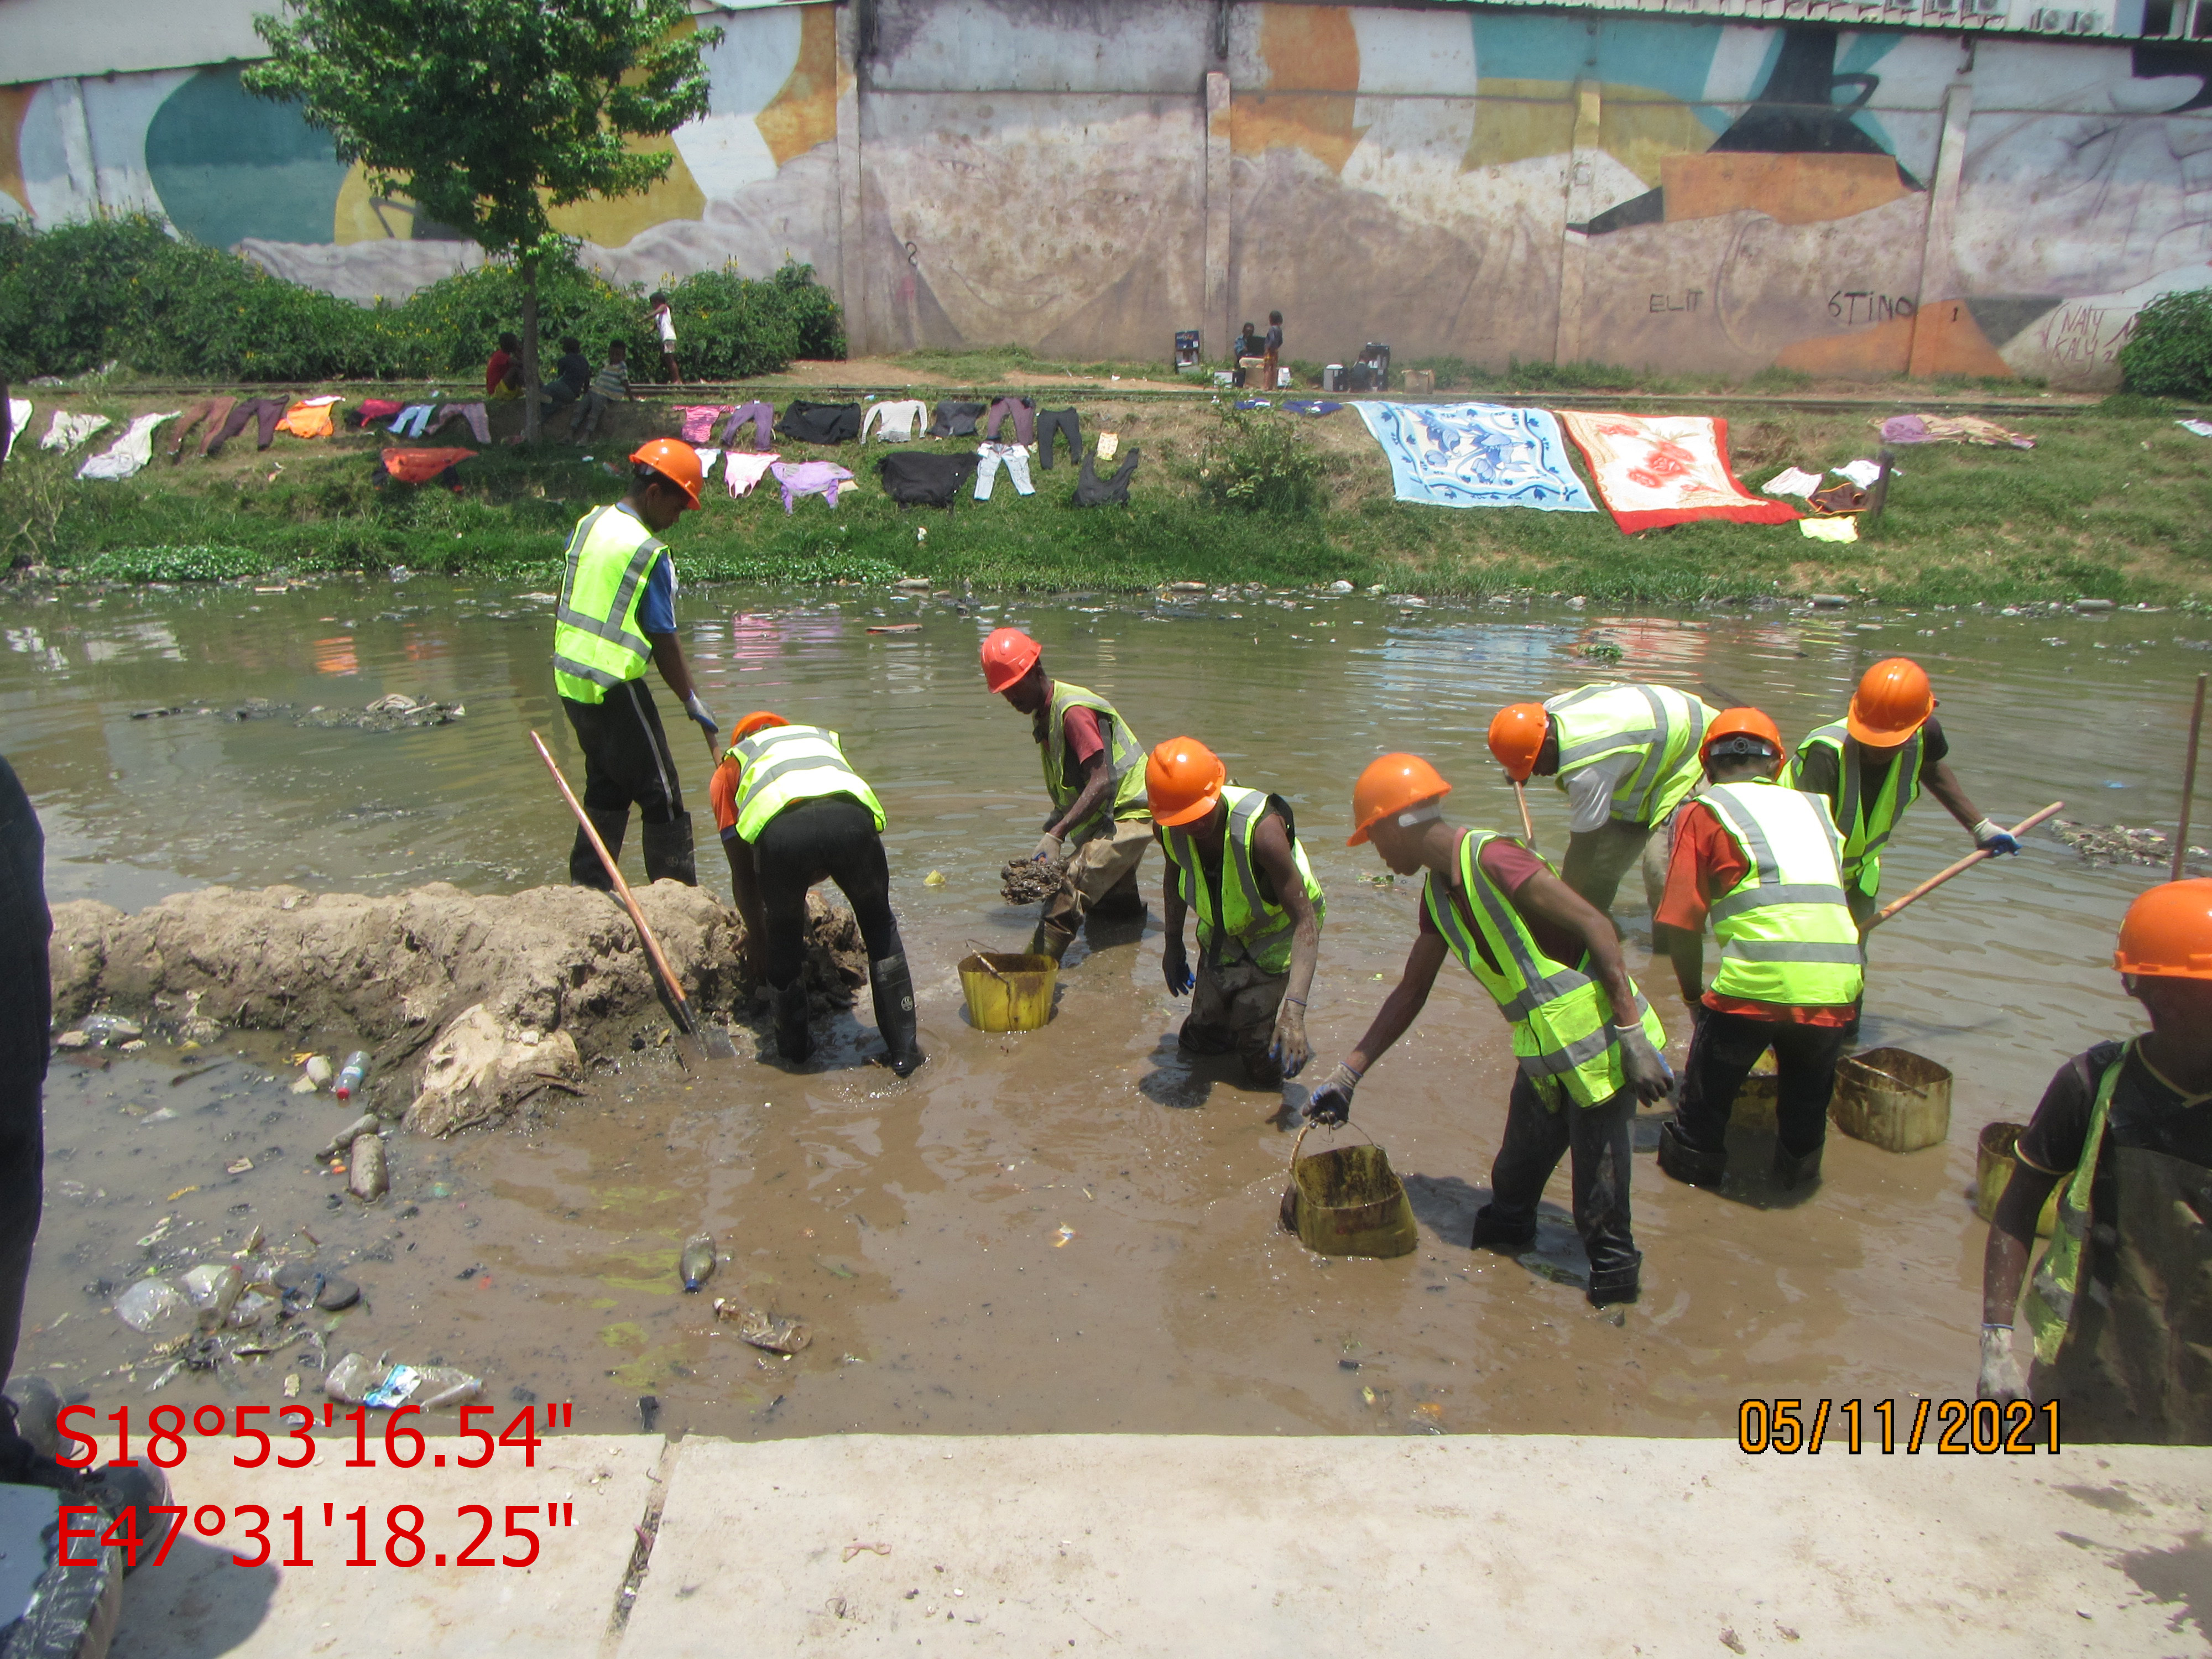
(1087, 176)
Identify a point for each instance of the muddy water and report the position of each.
(1072, 1230)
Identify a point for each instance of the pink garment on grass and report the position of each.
(743, 469)
(699, 420)
(823, 478)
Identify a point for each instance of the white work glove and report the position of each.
(697, 711)
(1642, 1067)
(1050, 850)
(1289, 1049)
(1992, 837)
(2000, 1379)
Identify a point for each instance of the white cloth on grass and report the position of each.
(68, 430)
(129, 453)
(1016, 459)
(743, 468)
(899, 420)
(1861, 473)
(19, 417)
(1792, 480)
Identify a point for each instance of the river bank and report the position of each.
(2112, 503)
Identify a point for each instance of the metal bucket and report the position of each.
(1893, 1098)
(1007, 991)
(1994, 1163)
(1348, 1202)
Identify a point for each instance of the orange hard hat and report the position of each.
(2167, 932)
(1008, 654)
(1390, 784)
(1516, 738)
(674, 461)
(1182, 780)
(759, 720)
(1893, 700)
(1740, 723)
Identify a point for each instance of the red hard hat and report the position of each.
(1390, 784)
(2167, 932)
(1182, 780)
(674, 461)
(1516, 738)
(1008, 654)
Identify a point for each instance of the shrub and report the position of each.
(1259, 462)
(2170, 353)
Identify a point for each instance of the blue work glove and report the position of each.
(697, 711)
(1174, 966)
(1991, 839)
(1331, 1102)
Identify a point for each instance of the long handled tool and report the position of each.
(1965, 864)
(2188, 783)
(1528, 825)
(715, 1041)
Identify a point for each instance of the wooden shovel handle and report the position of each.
(1965, 864)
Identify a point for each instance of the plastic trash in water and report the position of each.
(250, 1309)
(352, 1073)
(109, 1028)
(213, 1288)
(698, 1265)
(156, 1308)
(355, 1380)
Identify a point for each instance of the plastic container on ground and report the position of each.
(157, 1309)
(1893, 1098)
(1007, 992)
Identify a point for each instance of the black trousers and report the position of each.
(832, 838)
(26, 1013)
(626, 763)
(1722, 1050)
(1599, 1141)
(1062, 421)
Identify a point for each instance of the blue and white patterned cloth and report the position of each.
(1477, 455)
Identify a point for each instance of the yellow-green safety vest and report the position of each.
(1866, 824)
(2050, 1302)
(596, 642)
(1785, 930)
(1665, 725)
(785, 764)
(1562, 1031)
(1124, 759)
(1263, 930)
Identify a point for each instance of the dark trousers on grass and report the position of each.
(1722, 1050)
(1598, 1140)
(25, 1014)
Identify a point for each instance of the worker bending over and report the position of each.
(793, 813)
(1761, 861)
(618, 611)
(2121, 1308)
(1233, 856)
(1873, 764)
(1624, 756)
(1517, 927)
(1094, 769)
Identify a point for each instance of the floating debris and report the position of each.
(2117, 843)
(764, 1330)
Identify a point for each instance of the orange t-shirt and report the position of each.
(1706, 864)
(722, 794)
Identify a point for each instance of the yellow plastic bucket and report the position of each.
(1348, 1202)
(1007, 991)
(1994, 1163)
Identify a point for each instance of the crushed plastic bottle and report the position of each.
(355, 1380)
(350, 1074)
(250, 1309)
(156, 1308)
(213, 1288)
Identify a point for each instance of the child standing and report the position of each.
(665, 322)
(1274, 348)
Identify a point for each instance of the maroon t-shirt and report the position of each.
(1080, 726)
(1508, 865)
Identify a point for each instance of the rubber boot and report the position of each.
(584, 869)
(1679, 1159)
(668, 851)
(1619, 1285)
(1050, 941)
(1791, 1171)
(1491, 1233)
(794, 1040)
(892, 983)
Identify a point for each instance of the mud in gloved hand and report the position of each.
(1331, 1102)
(1050, 850)
(1642, 1067)
(1174, 966)
(2000, 1379)
(1290, 1049)
(1026, 881)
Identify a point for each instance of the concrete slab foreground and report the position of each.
(1222, 1547)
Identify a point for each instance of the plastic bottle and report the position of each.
(156, 1308)
(213, 1288)
(698, 1261)
(350, 1074)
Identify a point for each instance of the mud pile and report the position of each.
(474, 1001)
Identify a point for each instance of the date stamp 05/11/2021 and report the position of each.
(1961, 1428)
(393, 1535)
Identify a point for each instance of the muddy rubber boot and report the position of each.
(1618, 1285)
(1493, 1234)
(584, 869)
(1791, 1171)
(1679, 1159)
(668, 851)
(794, 1040)
(892, 983)
(1050, 941)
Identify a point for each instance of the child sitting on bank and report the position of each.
(610, 385)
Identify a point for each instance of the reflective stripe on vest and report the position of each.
(596, 645)
(1785, 929)
(1264, 931)
(2050, 1304)
(1666, 726)
(1866, 825)
(786, 764)
(1124, 759)
(1559, 1015)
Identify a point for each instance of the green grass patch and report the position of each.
(997, 365)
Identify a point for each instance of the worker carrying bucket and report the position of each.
(1873, 764)
(1233, 856)
(1762, 863)
(1517, 927)
(618, 612)
(1625, 756)
(793, 811)
(1094, 771)
(2120, 1310)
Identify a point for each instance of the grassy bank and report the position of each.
(2113, 504)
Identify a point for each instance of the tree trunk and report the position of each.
(531, 403)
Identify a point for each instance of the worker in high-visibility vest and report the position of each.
(1094, 771)
(618, 613)
(793, 811)
(1233, 857)
(1761, 861)
(1873, 764)
(1625, 756)
(1587, 1042)
(2120, 1309)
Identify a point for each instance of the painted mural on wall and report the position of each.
(1686, 194)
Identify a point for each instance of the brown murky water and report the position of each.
(1072, 1230)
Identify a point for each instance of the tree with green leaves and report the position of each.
(488, 113)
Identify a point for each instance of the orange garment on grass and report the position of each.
(416, 466)
(305, 420)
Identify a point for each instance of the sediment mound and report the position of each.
(474, 1001)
